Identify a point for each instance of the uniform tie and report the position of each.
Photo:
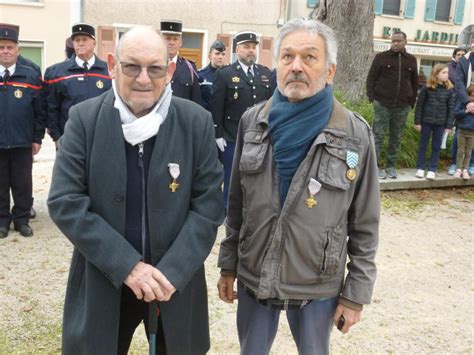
(6, 75)
(85, 66)
(249, 74)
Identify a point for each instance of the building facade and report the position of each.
(44, 26)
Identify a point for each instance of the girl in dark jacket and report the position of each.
(465, 136)
(433, 117)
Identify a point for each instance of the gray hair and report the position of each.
(313, 27)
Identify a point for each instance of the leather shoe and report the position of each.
(32, 213)
(25, 230)
(3, 232)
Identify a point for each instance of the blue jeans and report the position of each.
(436, 134)
(310, 326)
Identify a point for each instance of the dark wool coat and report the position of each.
(87, 202)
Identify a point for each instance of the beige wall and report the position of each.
(47, 21)
(209, 17)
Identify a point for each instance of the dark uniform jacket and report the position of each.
(185, 81)
(206, 78)
(233, 93)
(88, 202)
(69, 84)
(393, 79)
(21, 111)
(463, 78)
(435, 106)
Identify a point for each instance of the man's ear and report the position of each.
(170, 71)
(111, 64)
(331, 74)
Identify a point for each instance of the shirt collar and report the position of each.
(245, 68)
(11, 69)
(174, 59)
(90, 62)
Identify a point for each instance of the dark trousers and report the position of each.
(393, 119)
(436, 134)
(15, 175)
(228, 156)
(132, 313)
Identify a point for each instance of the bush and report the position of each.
(408, 150)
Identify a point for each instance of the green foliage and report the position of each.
(408, 150)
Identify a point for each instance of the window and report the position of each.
(391, 7)
(33, 51)
(312, 3)
(443, 8)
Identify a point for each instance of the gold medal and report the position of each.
(351, 174)
(18, 93)
(310, 201)
(99, 84)
(236, 95)
(173, 185)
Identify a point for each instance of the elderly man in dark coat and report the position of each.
(136, 188)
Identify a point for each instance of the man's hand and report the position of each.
(418, 127)
(221, 144)
(149, 284)
(447, 130)
(351, 317)
(225, 285)
(35, 148)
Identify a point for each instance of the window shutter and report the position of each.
(312, 3)
(378, 7)
(430, 10)
(410, 9)
(265, 51)
(227, 40)
(106, 41)
(459, 12)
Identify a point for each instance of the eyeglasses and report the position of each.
(134, 70)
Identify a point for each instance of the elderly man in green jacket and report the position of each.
(136, 189)
(303, 196)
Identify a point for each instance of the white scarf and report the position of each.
(139, 129)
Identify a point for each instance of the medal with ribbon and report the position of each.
(174, 172)
(352, 159)
(313, 188)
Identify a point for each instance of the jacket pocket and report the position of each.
(253, 152)
(332, 251)
(333, 168)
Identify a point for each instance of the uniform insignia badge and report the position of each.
(352, 159)
(99, 84)
(235, 79)
(236, 95)
(264, 78)
(313, 187)
(174, 172)
(18, 93)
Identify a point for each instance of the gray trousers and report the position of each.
(393, 119)
(310, 326)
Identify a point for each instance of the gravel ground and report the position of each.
(423, 300)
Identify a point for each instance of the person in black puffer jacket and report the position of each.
(433, 117)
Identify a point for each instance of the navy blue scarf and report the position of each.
(293, 128)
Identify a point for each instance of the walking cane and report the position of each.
(152, 326)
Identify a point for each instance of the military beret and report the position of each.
(171, 27)
(82, 29)
(245, 36)
(218, 45)
(9, 32)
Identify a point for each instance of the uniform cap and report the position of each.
(9, 32)
(218, 45)
(171, 27)
(245, 36)
(83, 29)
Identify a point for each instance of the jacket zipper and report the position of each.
(142, 173)
(326, 245)
(399, 76)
